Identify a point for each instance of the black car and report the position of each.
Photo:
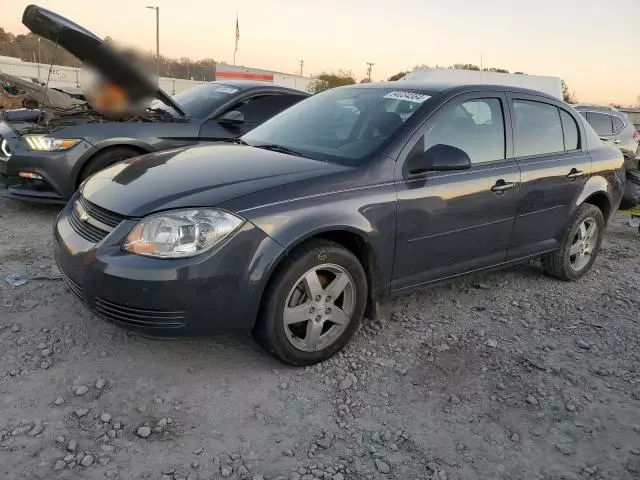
(352, 194)
(47, 160)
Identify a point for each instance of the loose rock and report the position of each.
(381, 466)
(82, 390)
(143, 432)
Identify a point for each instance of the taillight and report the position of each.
(636, 136)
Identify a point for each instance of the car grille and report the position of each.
(74, 287)
(138, 317)
(96, 224)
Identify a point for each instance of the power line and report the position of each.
(369, 65)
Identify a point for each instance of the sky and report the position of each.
(592, 44)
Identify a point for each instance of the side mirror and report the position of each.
(438, 158)
(233, 117)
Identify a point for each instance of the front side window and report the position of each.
(258, 109)
(601, 123)
(346, 125)
(538, 128)
(474, 126)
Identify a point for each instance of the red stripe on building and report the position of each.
(268, 77)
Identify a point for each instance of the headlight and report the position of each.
(43, 143)
(180, 233)
(4, 147)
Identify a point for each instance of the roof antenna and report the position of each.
(53, 59)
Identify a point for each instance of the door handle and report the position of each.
(604, 139)
(502, 186)
(616, 141)
(575, 173)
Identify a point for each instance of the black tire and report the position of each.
(270, 329)
(558, 264)
(104, 159)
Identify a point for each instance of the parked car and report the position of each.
(634, 116)
(47, 160)
(615, 127)
(297, 230)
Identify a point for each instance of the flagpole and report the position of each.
(236, 41)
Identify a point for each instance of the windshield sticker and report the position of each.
(407, 96)
(228, 90)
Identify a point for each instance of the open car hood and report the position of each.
(91, 50)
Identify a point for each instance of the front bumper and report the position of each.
(59, 172)
(218, 292)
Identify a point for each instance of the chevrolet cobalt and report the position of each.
(296, 229)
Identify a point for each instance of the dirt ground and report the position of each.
(508, 376)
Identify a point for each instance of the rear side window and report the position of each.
(618, 124)
(538, 128)
(570, 129)
(601, 123)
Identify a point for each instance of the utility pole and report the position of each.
(157, 9)
(301, 63)
(369, 65)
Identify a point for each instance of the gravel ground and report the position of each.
(508, 376)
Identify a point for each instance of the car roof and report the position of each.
(257, 84)
(443, 87)
(598, 108)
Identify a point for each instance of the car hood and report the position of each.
(91, 50)
(204, 175)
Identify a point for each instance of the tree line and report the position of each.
(32, 48)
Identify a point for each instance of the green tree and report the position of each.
(567, 95)
(496, 70)
(326, 80)
(397, 76)
(365, 80)
(465, 66)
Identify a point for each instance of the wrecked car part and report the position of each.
(17, 93)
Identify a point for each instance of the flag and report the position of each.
(237, 32)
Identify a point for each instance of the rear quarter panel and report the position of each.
(607, 176)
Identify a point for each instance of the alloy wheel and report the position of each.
(584, 244)
(319, 307)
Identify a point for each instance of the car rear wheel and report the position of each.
(580, 245)
(105, 158)
(313, 304)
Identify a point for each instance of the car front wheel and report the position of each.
(313, 304)
(580, 245)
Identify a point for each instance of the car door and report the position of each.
(453, 222)
(251, 112)
(548, 147)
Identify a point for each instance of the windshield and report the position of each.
(344, 124)
(201, 101)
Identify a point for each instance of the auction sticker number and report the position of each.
(407, 96)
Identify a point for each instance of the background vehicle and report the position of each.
(315, 214)
(549, 85)
(46, 160)
(613, 126)
(634, 116)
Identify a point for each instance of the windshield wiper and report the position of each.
(237, 141)
(280, 148)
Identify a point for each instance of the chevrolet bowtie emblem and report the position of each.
(82, 213)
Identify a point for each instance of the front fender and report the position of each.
(369, 213)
